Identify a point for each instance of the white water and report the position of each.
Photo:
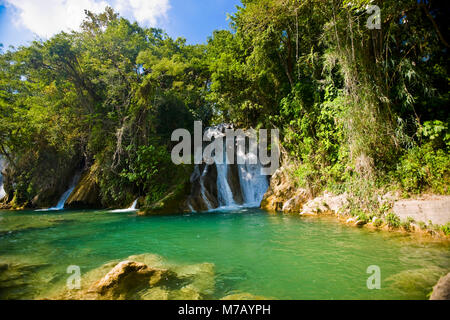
(2, 190)
(253, 185)
(62, 201)
(132, 208)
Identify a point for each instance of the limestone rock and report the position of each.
(435, 209)
(295, 204)
(327, 203)
(281, 189)
(441, 291)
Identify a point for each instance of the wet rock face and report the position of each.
(233, 181)
(203, 188)
(441, 291)
(86, 194)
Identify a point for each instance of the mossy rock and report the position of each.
(87, 192)
(173, 203)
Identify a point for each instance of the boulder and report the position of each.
(295, 204)
(441, 291)
(141, 277)
(281, 189)
(128, 276)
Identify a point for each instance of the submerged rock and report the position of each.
(441, 291)
(243, 296)
(128, 276)
(143, 277)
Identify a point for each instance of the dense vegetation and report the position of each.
(358, 109)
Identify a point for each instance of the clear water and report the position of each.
(276, 256)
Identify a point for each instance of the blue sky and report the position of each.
(22, 21)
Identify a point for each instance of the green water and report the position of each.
(276, 256)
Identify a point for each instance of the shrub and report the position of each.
(424, 168)
(393, 220)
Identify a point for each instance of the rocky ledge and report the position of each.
(414, 214)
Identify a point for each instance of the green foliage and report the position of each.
(393, 220)
(424, 168)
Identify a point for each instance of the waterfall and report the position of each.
(238, 185)
(253, 184)
(62, 200)
(132, 208)
(2, 190)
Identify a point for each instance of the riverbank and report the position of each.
(425, 214)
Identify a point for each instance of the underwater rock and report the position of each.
(143, 277)
(243, 296)
(126, 277)
(441, 291)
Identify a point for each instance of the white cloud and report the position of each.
(48, 17)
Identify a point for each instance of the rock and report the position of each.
(234, 183)
(326, 203)
(173, 203)
(128, 276)
(87, 192)
(206, 175)
(295, 204)
(281, 189)
(142, 277)
(441, 291)
(243, 296)
(360, 223)
(435, 209)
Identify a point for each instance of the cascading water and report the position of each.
(62, 200)
(2, 190)
(132, 208)
(236, 184)
(253, 184)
